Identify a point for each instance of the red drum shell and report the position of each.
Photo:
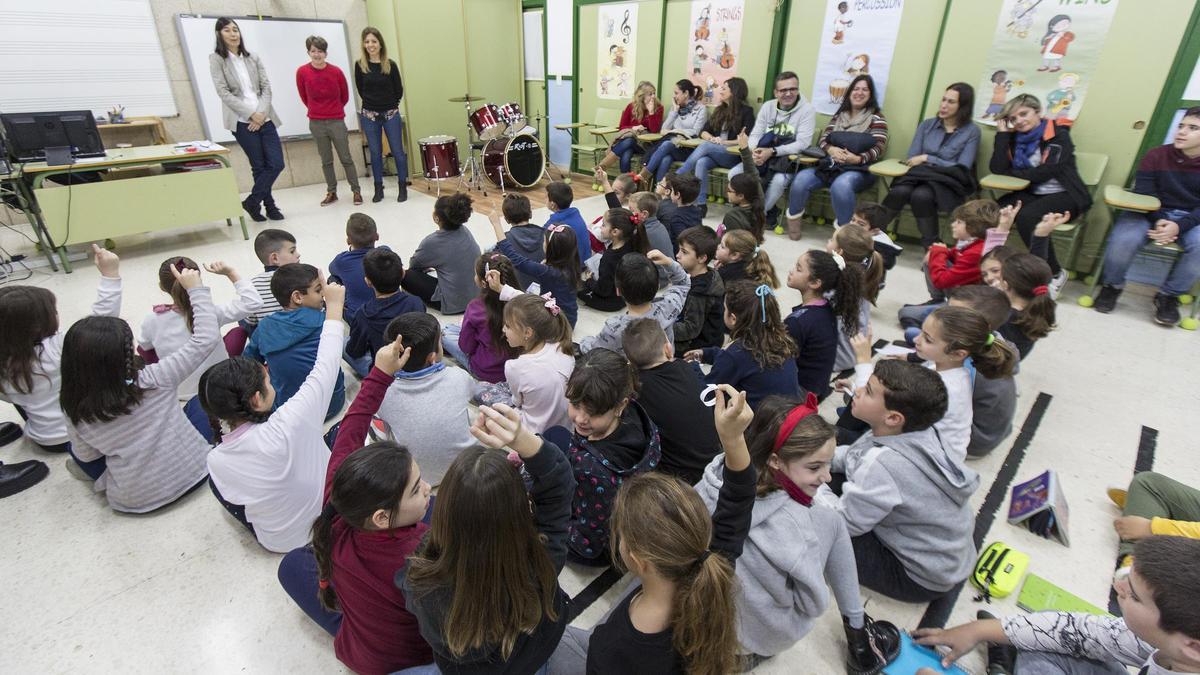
(439, 156)
(487, 122)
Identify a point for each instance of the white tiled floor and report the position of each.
(186, 590)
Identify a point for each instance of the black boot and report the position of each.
(273, 211)
(1001, 659)
(378, 193)
(402, 195)
(20, 476)
(871, 647)
(255, 210)
(9, 432)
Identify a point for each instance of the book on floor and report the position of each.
(1039, 595)
(1040, 505)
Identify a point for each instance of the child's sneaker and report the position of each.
(1117, 495)
(871, 647)
(1056, 284)
(1166, 310)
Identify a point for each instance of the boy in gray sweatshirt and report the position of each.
(905, 499)
(637, 282)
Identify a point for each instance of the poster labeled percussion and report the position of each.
(857, 38)
(617, 50)
(715, 36)
(1048, 49)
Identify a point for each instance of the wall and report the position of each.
(751, 61)
(303, 166)
(649, 23)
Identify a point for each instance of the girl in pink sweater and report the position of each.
(478, 344)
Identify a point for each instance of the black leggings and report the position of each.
(1033, 207)
(423, 286)
(238, 512)
(921, 198)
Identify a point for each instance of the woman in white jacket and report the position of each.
(685, 120)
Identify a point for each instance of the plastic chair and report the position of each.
(1117, 199)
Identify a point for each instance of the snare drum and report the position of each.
(439, 156)
(512, 115)
(487, 122)
(514, 162)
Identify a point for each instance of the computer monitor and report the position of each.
(29, 134)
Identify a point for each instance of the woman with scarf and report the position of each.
(686, 120)
(1041, 152)
(855, 137)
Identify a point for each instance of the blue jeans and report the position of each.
(775, 188)
(703, 159)
(265, 153)
(374, 131)
(661, 156)
(199, 419)
(1127, 238)
(912, 317)
(624, 150)
(361, 365)
(450, 345)
(298, 576)
(843, 191)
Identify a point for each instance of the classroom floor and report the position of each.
(188, 590)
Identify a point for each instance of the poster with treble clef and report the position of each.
(617, 46)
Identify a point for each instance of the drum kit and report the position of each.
(504, 149)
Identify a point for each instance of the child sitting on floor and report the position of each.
(760, 358)
(556, 273)
(478, 344)
(1025, 279)
(274, 249)
(383, 272)
(671, 394)
(831, 294)
(524, 237)
(740, 257)
(947, 268)
(873, 218)
(450, 251)
(701, 323)
(745, 198)
(624, 234)
(637, 282)
(678, 209)
(558, 199)
(645, 205)
(853, 244)
(346, 268)
(993, 400)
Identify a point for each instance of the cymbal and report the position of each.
(467, 98)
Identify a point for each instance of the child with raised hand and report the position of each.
(853, 244)
(946, 268)
(740, 257)
(450, 251)
(797, 550)
(645, 205)
(992, 263)
(1027, 281)
(611, 439)
(701, 322)
(1039, 244)
(557, 273)
(745, 197)
(683, 618)
(617, 192)
(127, 430)
(624, 234)
(31, 347)
(484, 582)
(760, 358)
(167, 329)
(831, 294)
(268, 468)
(637, 282)
(478, 344)
(1159, 633)
(374, 500)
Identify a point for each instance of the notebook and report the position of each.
(1039, 595)
(913, 657)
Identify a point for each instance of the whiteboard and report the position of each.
(279, 43)
(82, 55)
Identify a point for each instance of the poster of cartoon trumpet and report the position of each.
(858, 38)
(617, 50)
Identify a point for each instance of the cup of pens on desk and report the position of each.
(116, 115)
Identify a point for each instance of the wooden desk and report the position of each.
(649, 138)
(112, 208)
(692, 142)
(1001, 183)
(158, 131)
(889, 168)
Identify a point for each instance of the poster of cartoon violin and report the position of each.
(715, 35)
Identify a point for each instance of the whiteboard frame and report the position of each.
(196, 84)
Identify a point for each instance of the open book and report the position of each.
(1040, 505)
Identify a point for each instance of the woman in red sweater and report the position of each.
(374, 504)
(643, 115)
(324, 91)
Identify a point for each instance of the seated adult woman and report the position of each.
(643, 114)
(855, 137)
(732, 115)
(941, 163)
(686, 120)
(1041, 152)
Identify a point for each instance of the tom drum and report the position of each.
(514, 162)
(512, 116)
(439, 156)
(487, 122)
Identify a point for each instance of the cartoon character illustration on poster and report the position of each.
(710, 90)
(726, 61)
(1058, 102)
(698, 59)
(702, 31)
(837, 89)
(1022, 18)
(1054, 43)
(610, 25)
(841, 23)
(616, 55)
(1001, 85)
(605, 79)
(623, 85)
(858, 64)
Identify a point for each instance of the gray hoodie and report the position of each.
(791, 552)
(915, 497)
(799, 122)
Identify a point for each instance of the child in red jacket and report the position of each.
(946, 267)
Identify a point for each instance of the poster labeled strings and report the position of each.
(857, 38)
(715, 36)
(617, 47)
(1047, 48)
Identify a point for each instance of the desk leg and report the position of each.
(39, 225)
(66, 262)
(245, 232)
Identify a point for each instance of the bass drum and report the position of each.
(519, 161)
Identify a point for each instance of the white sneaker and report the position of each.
(1056, 284)
(76, 472)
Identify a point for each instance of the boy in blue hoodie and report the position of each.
(382, 270)
(905, 498)
(558, 198)
(676, 209)
(287, 340)
(346, 268)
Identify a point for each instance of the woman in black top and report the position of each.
(377, 79)
(731, 116)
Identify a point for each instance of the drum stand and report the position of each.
(472, 172)
(546, 154)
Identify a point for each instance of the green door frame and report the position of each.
(1171, 99)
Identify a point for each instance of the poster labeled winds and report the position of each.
(617, 50)
(715, 36)
(858, 38)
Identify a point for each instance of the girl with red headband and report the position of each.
(1025, 278)
(623, 231)
(796, 551)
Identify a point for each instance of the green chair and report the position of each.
(605, 118)
(1119, 199)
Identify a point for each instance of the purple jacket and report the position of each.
(486, 362)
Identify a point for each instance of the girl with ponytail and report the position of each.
(798, 549)
(1025, 278)
(374, 503)
(856, 247)
(623, 231)
(683, 617)
(831, 293)
(739, 257)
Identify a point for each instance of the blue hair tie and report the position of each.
(762, 292)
